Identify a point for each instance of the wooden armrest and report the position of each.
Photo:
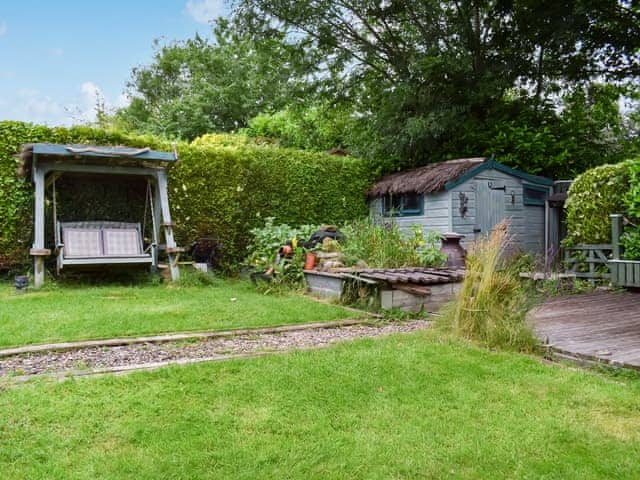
(40, 252)
(150, 247)
(175, 250)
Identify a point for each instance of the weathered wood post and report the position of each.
(616, 232)
(38, 251)
(172, 249)
(615, 268)
(156, 217)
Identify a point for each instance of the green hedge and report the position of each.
(592, 197)
(221, 191)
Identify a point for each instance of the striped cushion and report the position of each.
(82, 242)
(121, 241)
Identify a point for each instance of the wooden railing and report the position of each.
(589, 261)
(624, 273)
(603, 261)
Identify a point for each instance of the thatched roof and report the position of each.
(428, 179)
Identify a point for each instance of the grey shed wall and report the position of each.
(442, 210)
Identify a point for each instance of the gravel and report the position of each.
(90, 358)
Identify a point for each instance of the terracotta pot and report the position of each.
(310, 261)
(453, 250)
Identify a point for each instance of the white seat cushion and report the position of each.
(121, 242)
(82, 242)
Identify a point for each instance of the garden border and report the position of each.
(172, 337)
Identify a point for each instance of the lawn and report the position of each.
(74, 313)
(411, 406)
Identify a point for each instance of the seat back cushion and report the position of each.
(82, 242)
(121, 241)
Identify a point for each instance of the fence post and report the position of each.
(616, 231)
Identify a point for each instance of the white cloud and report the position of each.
(31, 105)
(203, 11)
(3, 28)
(91, 97)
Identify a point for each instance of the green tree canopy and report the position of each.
(408, 82)
(198, 86)
(425, 73)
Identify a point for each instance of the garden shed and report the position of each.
(468, 196)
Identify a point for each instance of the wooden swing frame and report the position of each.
(47, 162)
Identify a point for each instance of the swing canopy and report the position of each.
(100, 242)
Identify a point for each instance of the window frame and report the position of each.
(531, 200)
(388, 211)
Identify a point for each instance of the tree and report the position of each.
(198, 86)
(422, 74)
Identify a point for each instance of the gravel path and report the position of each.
(86, 359)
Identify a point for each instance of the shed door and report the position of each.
(490, 199)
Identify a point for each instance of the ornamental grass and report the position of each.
(492, 303)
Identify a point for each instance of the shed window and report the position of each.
(534, 195)
(403, 205)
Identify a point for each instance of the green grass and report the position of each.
(400, 407)
(77, 313)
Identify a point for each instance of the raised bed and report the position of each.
(408, 289)
(324, 284)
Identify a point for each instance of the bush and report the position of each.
(320, 127)
(386, 246)
(218, 191)
(269, 238)
(592, 197)
(226, 192)
(632, 197)
(630, 240)
(491, 305)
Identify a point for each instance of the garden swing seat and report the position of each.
(101, 243)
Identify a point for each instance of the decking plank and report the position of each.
(603, 326)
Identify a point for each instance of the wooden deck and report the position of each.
(602, 327)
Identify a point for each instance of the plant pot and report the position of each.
(453, 250)
(310, 261)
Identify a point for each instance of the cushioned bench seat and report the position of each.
(100, 243)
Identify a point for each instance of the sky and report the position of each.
(56, 56)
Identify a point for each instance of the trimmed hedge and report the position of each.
(592, 197)
(220, 191)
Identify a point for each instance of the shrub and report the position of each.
(592, 197)
(219, 191)
(386, 246)
(320, 127)
(632, 197)
(269, 238)
(630, 240)
(492, 303)
(226, 192)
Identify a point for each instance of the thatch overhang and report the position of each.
(427, 179)
(437, 177)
